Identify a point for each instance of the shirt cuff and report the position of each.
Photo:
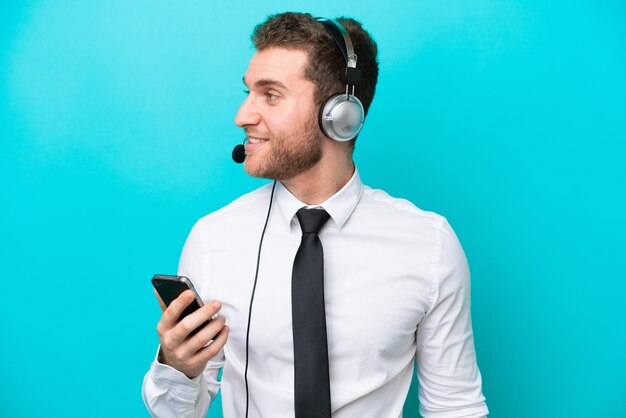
(175, 381)
(478, 411)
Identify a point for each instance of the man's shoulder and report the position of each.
(381, 211)
(397, 207)
(250, 202)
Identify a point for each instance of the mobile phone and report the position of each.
(170, 287)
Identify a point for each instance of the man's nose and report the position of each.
(247, 114)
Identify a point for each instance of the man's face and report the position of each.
(279, 116)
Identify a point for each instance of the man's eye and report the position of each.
(271, 97)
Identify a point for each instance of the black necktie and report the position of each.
(310, 348)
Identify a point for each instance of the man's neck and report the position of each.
(320, 182)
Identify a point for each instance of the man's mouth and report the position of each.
(255, 140)
(254, 143)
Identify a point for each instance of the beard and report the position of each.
(289, 154)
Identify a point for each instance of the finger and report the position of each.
(195, 320)
(205, 313)
(161, 303)
(207, 333)
(207, 353)
(178, 305)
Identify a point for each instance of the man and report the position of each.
(395, 286)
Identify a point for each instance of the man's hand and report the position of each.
(188, 354)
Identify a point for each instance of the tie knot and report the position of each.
(312, 220)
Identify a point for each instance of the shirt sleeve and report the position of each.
(166, 391)
(169, 393)
(450, 384)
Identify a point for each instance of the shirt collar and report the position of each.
(339, 206)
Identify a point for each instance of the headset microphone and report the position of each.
(239, 152)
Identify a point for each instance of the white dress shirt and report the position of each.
(397, 290)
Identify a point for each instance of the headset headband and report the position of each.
(351, 75)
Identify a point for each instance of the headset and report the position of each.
(341, 118)
(341, 115)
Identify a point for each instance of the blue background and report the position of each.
(116, 127)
